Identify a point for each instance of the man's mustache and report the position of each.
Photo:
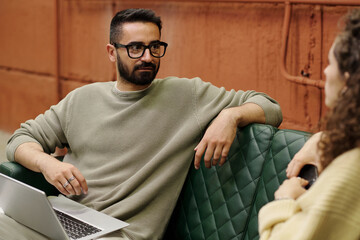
(145, 65)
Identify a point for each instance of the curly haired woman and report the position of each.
(330, 209)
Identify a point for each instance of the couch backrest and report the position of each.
(223, 202)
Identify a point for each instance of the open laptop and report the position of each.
(30, 207)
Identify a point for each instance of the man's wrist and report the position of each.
(233, 116)
(249, 113)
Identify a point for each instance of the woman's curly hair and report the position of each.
(342, 124)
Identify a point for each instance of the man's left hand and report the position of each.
(220, 134)
(217, 140)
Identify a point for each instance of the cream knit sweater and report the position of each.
(330, 210)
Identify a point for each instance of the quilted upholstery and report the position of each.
(283, 148)
(220, 202)
(223, 202)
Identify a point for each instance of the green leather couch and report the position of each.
(221, 202)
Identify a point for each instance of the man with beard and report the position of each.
(130, 143)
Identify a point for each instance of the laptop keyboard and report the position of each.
(75, 228)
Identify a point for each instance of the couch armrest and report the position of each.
(35, 179)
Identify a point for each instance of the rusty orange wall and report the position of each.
(48, 48)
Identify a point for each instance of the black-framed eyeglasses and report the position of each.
(136, 50)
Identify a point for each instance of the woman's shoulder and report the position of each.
(351, 156)
(343, 170)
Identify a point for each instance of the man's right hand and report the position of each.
(308, 154)
(64, 176)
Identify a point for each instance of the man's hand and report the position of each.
(217, 140)
(64, 176)
(220, 134)
(308, 154)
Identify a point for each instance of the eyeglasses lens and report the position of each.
(137, 50)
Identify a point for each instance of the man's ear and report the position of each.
(111, 52)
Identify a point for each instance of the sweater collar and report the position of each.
(131, 94)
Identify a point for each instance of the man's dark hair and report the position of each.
(131, 15)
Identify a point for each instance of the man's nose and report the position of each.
(146, 57)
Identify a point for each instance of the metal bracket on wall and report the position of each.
(284, 42)
(285, 35)
(304, 80)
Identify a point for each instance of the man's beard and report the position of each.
(138, 78)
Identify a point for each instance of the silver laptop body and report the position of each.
(30, 207)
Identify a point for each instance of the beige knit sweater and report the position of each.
(329, 210)
(135, 148)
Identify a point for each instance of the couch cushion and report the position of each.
(285, 144)
(215, 203)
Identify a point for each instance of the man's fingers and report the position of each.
(67, 184)
(217, 154)
(65, 177)
(73, 184)
(213, 154)
(81, 184)
(199, 151)
(224, 155)
(209, 152)
(61, 186)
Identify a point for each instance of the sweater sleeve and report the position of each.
(270, 106)
(274, 214)
(46, 129)
(210, 100)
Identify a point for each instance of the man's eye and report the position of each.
(136, 47)
(155, 46)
